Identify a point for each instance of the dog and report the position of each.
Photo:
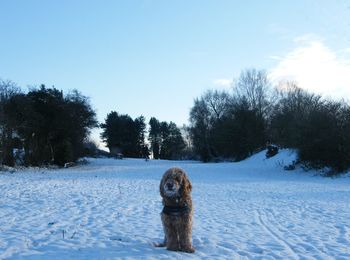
(175, 189)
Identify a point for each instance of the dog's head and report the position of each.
(175, 184)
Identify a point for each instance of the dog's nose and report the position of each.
(169, 186)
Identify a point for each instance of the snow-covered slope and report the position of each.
(109, 209)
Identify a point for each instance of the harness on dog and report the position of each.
(176, 210)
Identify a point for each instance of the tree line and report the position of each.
(46, 125)
(53, 128)
(234, 125)
(129, 137)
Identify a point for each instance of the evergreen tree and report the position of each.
(154, 137)
(8, 89)
(141, 147)
(52, 126)
(126, 134)
(174, 142)
(169, 140)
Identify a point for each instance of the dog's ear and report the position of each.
(186, 185)
(162, 182)
(161, 186)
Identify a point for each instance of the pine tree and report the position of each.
(154, 137)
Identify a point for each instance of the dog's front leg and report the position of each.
(185, 237)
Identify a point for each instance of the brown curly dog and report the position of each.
(175, 189)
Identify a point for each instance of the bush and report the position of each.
(325, 137)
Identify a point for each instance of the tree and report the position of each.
(82, 118)
(51, 126)
(176, 140)
(142, 147)
(239, 133)
(172, 144)
(165, 144)
(165, 139)
(318, 129)
(204, 115)
(109, 127)
(290, 113)
(188, 153)
(325, 137)
(226, 126)
(119, 131)
(200, 130)
(154, 137)
(254, 86)
(8, 89)
(126, 134)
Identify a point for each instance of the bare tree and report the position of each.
(205, 113)
(217, 102)
(290, 113)
(254, 86)
(8, 89)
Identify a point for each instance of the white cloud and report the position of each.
(307, 38)
(316, 67)
(274, 57)
(223, 82)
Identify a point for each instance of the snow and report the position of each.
(110, 209)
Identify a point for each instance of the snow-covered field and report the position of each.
(109, 209)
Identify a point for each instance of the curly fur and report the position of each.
(175, 189)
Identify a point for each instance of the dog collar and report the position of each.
(175, 210)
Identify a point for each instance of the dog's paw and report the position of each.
(189, 250)
(159, 244)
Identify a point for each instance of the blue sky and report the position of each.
(153, 58)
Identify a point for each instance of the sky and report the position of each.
(153, 58)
